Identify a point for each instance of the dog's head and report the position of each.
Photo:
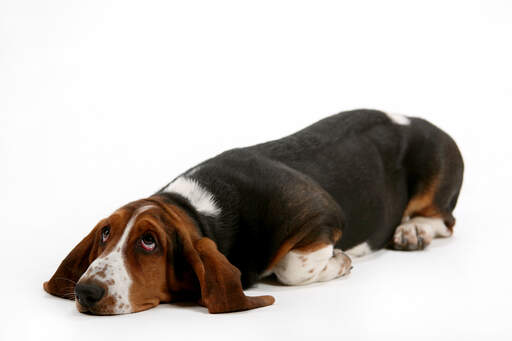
(148, 252)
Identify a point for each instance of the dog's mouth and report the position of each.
(110, 305)
(99, 309)
(83, 309)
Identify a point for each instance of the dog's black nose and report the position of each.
(88, 294)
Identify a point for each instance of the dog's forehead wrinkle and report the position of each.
(110, 268)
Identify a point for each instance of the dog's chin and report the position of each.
(106, 310)
(81, 308)
(100, 310)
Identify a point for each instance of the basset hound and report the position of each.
(296, 208)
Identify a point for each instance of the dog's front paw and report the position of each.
(412, 236)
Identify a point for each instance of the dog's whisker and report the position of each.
(70, 295)
(66, 279)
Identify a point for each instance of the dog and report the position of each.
(297, 208)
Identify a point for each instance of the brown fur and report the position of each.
(62, 283)
(304, 241)
(422, 204)
(311, 247)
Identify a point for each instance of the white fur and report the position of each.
(408, 234)
(193, 171)
(399, 119)
(298, 268)
(202, 200)
(435, 227)
(113, 266)
(359, 250)
(338, 265)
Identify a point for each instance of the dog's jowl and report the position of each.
(295, 208)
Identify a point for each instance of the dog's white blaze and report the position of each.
(399, 119)
(202, 200)
(110, 269)
(359, 250)
(298, 268)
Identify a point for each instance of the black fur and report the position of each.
(354, 171)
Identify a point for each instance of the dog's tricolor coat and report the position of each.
(357, 181)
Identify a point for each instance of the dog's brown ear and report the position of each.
(63, 282)
(219, 281)
(221, 288)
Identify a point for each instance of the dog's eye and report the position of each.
(147, 242)
(105, 233)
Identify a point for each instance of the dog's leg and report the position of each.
(418, 232)
(302, 266)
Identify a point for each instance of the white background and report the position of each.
(103, 102)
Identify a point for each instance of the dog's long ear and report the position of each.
(63, 282)
(221, 288)
(219, 280)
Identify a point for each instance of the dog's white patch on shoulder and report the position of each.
(299, 268)
(399, 119)
(202, 200)
(110, 269)
(193, 170)
(360, 250)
